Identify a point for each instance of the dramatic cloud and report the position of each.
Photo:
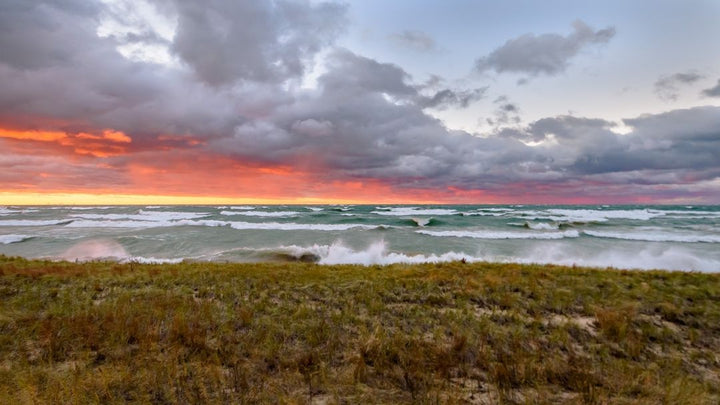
(548, 54)
(225, 41)
(667, 87)
(228, 116)
(416, 40)
(713, 91)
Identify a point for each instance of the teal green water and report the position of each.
(636, 236)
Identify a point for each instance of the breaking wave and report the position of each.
(502, 235)
(296, 227)
(34, 222)
(8, 239)
(375, 253)
(650, 236)
(647, 258)
(274, 214)
(538, 226)
(422, 222)
(410, 211)
(590, 215)
(142, 215)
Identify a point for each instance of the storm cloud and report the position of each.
(547, 54)
(233, 95)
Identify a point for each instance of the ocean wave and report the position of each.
(422, 222)
(375, 253)
(410, 211)
(680, 214)
(489, 212)
(538, 226)
(142, 215)
(8, 239)
(273, 214)
(95, 249)
(587, 215)
(84, 208)
(314, 209)
(215, 223)
(11, 211)
(143, 224)
(299, 227)
(487, 234)
(482, 214)
(34, 222)
(654, 236)
(648, 258)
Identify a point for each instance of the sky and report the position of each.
(367, 101)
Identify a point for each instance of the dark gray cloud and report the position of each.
(713, 91)
(547, 54)
(668, 87)
(416, 40)
(225, 41)
(447, 98)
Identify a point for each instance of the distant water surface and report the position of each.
(629, 236)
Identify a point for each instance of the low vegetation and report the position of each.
(304, 333)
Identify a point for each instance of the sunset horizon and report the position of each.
(309, 101)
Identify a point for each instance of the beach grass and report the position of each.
(104, 332)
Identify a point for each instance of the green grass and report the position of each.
(304, 333)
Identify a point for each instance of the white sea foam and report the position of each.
(8, 239)
(82, 223)
(655, 236)
(541, 226)
(142, 215)
(214, 223)
(673, 258)
(242, 207)
(95, 249)
(483, 214)
(10, 211)
(489, 212)
(376, 253)
(314, 209)
(143, 224)
(680, 214)
(410, 211)
(85, 208)
(588, 215)
(421, 221)
(488, 234)
(32, 222)
(297, 227)
(6, 211)
(603, 215)
(272, 214)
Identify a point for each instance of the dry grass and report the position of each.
(303, 333)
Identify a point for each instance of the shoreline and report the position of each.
(306, 333)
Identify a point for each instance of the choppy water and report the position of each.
(664, 237)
